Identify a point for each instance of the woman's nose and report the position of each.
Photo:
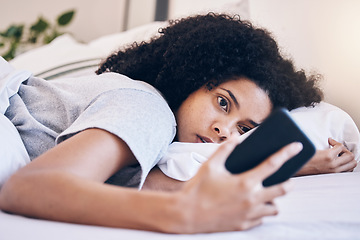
(223, 132)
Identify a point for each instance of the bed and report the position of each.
(319, 207)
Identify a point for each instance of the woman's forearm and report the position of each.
(64, 197)
(157, 180)
(66, 184)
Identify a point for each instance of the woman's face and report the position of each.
(235, 106)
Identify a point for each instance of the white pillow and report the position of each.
(326, 120)
(13, 154)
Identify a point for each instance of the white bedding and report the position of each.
(319, 207)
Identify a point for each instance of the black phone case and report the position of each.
(278, 130)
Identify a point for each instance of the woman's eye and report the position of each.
(243, 129)
(223, 103)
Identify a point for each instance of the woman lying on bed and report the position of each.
(220, 78)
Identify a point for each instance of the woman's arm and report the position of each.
(66, 184)
(157, 180)
(333, 160)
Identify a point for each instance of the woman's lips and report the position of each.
(202, 139)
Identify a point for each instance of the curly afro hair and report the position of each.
(207, 50)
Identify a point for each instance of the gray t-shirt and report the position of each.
(48, 112)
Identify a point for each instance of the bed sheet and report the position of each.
(319, 207)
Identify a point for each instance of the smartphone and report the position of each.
(277, 130)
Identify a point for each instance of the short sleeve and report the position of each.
(140, 118)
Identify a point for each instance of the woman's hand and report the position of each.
(216, 200)
(333, 160)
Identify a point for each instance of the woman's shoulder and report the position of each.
(105, 82)
(126, 82)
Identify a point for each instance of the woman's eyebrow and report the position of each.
(232, 97)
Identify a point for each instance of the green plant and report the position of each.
(39, 33)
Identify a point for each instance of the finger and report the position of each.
(248, 224)
(224, 150)
(264, 210)
(272, 192)
(344, 158)
(348, 167)
(345, 150)
(333, 142)
(338, 148)
(275, 161)
(337, 145)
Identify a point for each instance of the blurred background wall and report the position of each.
(320, 35)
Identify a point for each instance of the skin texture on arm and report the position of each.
(157, 180)
(333, 160)
(66, 184)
